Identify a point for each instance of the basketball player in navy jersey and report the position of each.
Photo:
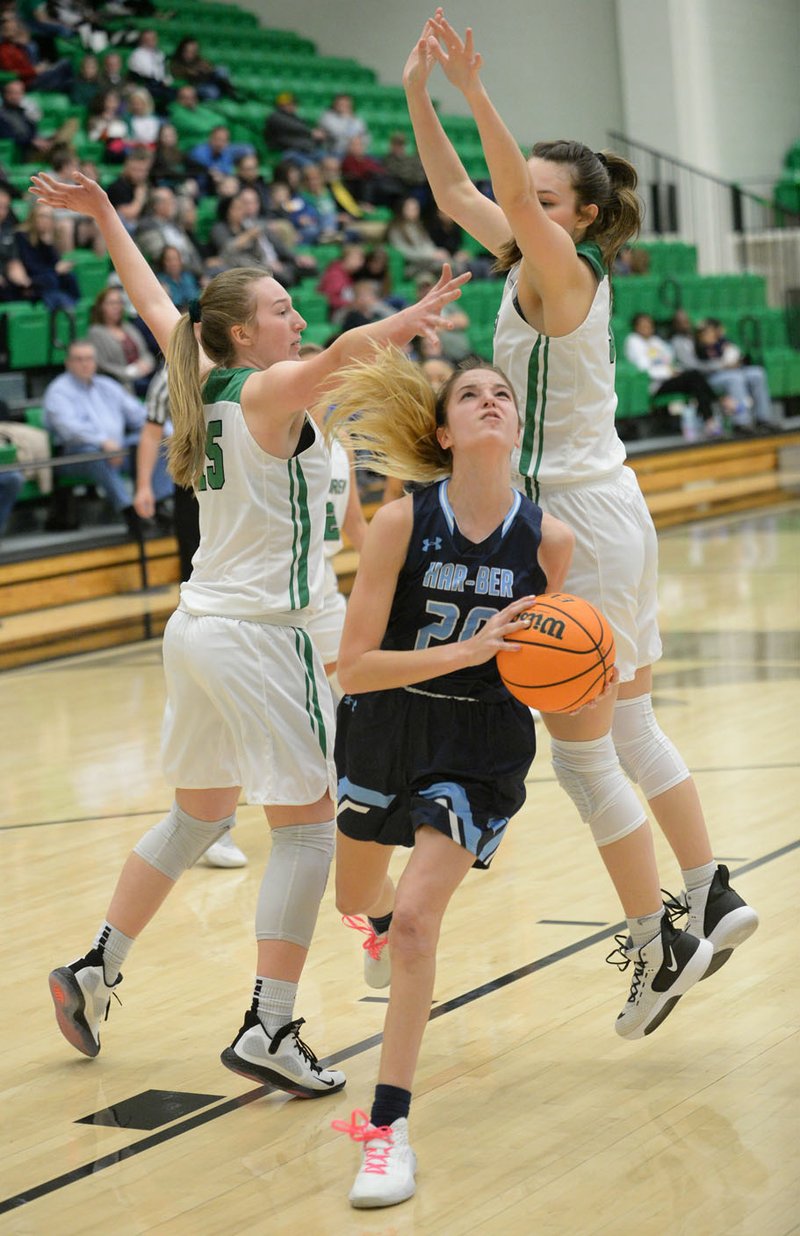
(431, 750)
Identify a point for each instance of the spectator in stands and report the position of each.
(337, 282)
(377, 268)
(19, 55)
(340, 124)
(86, 84)
(147, 65)
(189, 66)
(120, 349)
(18, 125)
(13, 278)
(631, 261)
(215, 159)
(241, 238)
(72, 231)
(180, 284)
(112, 73)
(454, 344)
(86, 413)
(651, 354)
(48, 276)
(287, 132)
(408, 233)
(11, 483)
(325, 222)
(448, 235)
(169, 167)
(724, 366)
(159, 227)
(107, 124)
(193, 120)
(367, 178)
(406, 166)
(143, 123)
(353, 215)
(365, 308)
(128, 193)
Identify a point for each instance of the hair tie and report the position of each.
(194, 310)
(598, 154)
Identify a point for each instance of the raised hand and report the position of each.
(425, 317)
(421, 60)
(460, 61)
(86, 196)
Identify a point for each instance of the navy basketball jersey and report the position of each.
(449, 587)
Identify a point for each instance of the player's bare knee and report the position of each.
(414, 933)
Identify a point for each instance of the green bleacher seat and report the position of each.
(311, 304)
(90, 271)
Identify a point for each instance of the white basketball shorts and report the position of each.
(325, 626)
(248, 704)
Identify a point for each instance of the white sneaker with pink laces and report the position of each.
(377, 962)
(386, 1175)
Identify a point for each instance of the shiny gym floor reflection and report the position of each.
(529, 1115)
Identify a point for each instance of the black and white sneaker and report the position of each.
(717, 913)
(663, 970)
(281, 1060)
(82, 998)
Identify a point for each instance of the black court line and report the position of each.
(534, 780)
(347, 1053)
(571, 922)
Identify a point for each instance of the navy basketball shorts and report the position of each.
(404, 759)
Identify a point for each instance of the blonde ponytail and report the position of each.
(386, 408)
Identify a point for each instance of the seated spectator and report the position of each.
(48, 277)
(449, 235)
(148, 67)
(11, 483)
(18, 125)
(13, 278)
(20, 55)
(248, 175)
(337, 282)
(286, 132)
(189, 66)
(406, 166)
(652, 355)
(107, 124)
(724, 366)
(408, 234)
(160, 227)
(437, 370)
(119, 347)
(352, 214)
(128, 193)
(192, 119)
(87, 412)
(143, 123)
(340, 124)
(113, 75)
(170, 168)
(324, 219)
(179, 283)
(215, 159)
(241, 238)
(86, 84)
(365, 307)
(454, 342)
(72, 231)
(631, 261)
(367, 178)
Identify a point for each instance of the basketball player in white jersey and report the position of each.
(247, 709)
(556, 225)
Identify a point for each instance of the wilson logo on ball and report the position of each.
(544, 624)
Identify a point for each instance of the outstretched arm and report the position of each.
(87, 198)
(548, 250)
(451, 186)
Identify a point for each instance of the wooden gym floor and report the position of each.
(530, 1115)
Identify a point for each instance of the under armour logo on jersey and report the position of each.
(431, 543)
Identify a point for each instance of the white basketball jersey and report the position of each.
(338, 496)
(262, 519)
(564, 388)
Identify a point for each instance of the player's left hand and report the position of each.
(609, 687)
(461, 63)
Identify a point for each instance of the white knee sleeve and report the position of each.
(646, 754)
(294, 881)
(591, 775)
(177, 841)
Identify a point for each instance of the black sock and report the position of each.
(381, 925)
(389, 1104)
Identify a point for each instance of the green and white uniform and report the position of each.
(570, 461)
(325, 625)
(248, 703)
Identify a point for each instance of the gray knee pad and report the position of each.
(294, 881)
(177, 841)
(645, 753)
(591, 775)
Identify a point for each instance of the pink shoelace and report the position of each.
(359, 1129)
(373, 944)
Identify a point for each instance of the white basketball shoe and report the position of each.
(386, 1175)
(377, 962)
(82, 998)
(281, 1059)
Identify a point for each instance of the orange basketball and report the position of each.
(566, 658)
